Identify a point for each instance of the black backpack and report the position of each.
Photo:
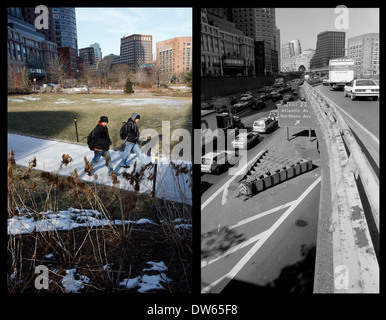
(91, 140)
(124, 131)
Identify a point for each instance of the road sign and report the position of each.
(295, 114)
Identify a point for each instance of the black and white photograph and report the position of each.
(290, 151)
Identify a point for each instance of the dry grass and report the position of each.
(124, 247)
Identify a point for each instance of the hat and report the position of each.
(103, 119)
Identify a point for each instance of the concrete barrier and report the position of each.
(345, 260)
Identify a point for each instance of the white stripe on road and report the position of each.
(235, 248)
(236, 269)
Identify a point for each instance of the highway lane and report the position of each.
(238, 235)
(363, 110)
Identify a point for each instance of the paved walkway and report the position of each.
(49, 153)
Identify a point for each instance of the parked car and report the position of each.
(243, 140)
(288, 97)
(280, 103)
(264, 125)
(273, 114)
(246, 96)
(276, 96)
(258, 104)
(213, 162)
(361, 88)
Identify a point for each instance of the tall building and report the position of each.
(297, 46)
(329, 45)
(260, 24)
(27, 46)
(61, 26)
(89, 60)
(97, 51)
(364, 50)
(174, 56)
(62, 31)
(225, 50)
(136, 50)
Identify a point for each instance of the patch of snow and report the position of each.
(73, 282)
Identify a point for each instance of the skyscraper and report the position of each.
(260, 25)
(97, 51)
(297, 46)
(136, 50)
(329, 45)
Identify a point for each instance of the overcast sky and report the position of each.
(107, 26)
(305, 23)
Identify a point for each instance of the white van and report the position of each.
(264, 125)
(213, 161)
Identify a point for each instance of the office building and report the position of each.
(89, 60)
(260, 25)
(329, 45)
(136, 50)
(296, 45)
(364, 50)
(26, 46)
(174, 56)
(97, 51)
(225, 51)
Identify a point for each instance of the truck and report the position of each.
(341, 72)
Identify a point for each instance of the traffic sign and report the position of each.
(295, 114)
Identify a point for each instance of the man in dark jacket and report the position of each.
(102, 144)
(131, 143)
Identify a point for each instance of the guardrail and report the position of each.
(345, 232)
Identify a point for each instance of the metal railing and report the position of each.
(355, 267)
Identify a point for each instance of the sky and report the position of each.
(107, 26)
(305, 23)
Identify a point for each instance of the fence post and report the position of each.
(155, 174)
(76, 130)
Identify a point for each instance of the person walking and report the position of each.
(102, 144)
(131, 143)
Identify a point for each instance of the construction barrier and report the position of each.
(269, 169)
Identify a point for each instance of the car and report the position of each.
(361, 88)
(280, 103)
(276, 96)
(243, 140)
(264, 125)
(273, 114)
(246, 96)
(258, 104)
(213, 162)
(326, 82)
(288, 97)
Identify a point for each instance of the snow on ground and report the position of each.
(49, 153)
(142, 102)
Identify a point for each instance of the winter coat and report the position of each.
(102, 138)
(132, 129)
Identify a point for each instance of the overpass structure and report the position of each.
(346, 261)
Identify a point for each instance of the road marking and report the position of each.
(372, 136)
(260, 215)
(226, 185)
(236, 269)
(235, 248)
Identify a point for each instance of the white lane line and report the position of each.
(372, 136)
(236, 269)
(235, 248)
(261, 215)
(226, 185)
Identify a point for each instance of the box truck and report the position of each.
(341, 72)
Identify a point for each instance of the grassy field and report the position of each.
(52, 115)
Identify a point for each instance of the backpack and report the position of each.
(91, 140)
(124, 131)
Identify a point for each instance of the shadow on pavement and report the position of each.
(296, 278)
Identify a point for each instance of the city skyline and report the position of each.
(306, 23)
(107, 26)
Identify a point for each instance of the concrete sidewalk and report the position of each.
(49, 153)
